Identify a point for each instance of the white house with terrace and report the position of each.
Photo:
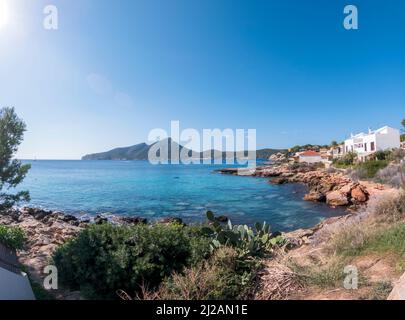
(365, 144)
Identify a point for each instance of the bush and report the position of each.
(250, 242)
(389, 240)
(345, 161)
(383, 155)
(12, 237)
(369, 169)
(393, 175)
(106, 258)
(390, 209)
(224, 276)
(397, 155)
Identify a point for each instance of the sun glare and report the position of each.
(4, 13)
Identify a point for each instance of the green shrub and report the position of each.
(345, 161)
(12, 237)
(369, 169)
(380, 291)
(393, 175)
(383, 155)
(224, 276)
(105, 258)
(249, 241)
(389, 240)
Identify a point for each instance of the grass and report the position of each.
(392, 240)
(329, 275)
(40, 293)
(369, 169)
(379, 291)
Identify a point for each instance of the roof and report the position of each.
(370, 132)
(310, 153)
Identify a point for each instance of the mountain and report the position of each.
(141, 151)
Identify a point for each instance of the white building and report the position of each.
(309, 157)
(365, 144)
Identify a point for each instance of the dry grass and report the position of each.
(277, 282)
(221, 277)
(389, 209)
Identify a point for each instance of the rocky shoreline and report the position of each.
(332, 187)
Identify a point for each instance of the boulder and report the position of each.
(279, 180)
(100, 220)
(222, 218)
(170, 220)
(134, 220)
(359, 195)
(315, 196)
(336, 199)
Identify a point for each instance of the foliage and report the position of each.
(369, 169)
(393, 175)
(12, 237)
(12, 172)
(397, 155)
(250, 242)
(389, 208)
(382, 155)
(345, 161)
(402, 137)
(389, 240)
(224, 276)
(328, 275)
(105, 258)
(380, 291)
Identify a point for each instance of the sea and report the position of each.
(138, 188)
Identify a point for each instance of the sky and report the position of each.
(115, 69)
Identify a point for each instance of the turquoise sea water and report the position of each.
(186, 191)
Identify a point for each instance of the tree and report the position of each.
(12, 171)
(403, 123)
(334, 143)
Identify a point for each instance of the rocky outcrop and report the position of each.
(337, 198)
(278, 157)
(334, 188)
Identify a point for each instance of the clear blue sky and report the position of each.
(117, 69)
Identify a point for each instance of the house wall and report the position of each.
(313, 159)
(389, 138)
(14, 286)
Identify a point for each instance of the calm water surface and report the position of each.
(186, 191)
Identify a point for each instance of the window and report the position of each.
(365, 147)
(372, 146)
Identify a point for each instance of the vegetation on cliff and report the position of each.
(163, 259)
(12, 172)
